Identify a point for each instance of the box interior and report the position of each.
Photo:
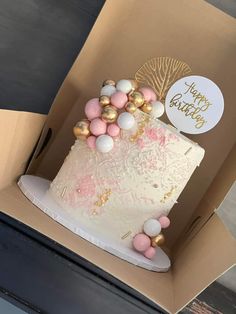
(19, 132)
(103, 57)
(170, 31)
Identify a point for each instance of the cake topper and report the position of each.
(160, 73)
(194, 104)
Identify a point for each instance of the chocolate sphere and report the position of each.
(136, 98)
(104, 100)
(158, 240)
(146, 107)
(109, 114)
(81, 129)
(130, 107)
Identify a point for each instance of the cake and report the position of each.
(126, 168)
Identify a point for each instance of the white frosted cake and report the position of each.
(114, 190)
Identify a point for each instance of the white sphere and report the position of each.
(104, 143)
(108, 90)
(126, 121)
(124, 86)
(157, 109)
(152, 227)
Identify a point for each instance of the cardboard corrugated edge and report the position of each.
(19, 132)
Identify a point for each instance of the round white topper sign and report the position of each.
(194, 104)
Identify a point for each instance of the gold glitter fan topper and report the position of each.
(161, 73)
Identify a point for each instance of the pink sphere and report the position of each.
(91, 142)
(150, 252)
(93, 109)
(113, 130)
(119, 99)
(98, 127)
(141, 242)
(164, 221)
(148, 94)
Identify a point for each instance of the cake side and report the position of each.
(141, 178)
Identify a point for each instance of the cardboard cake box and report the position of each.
(125, 35)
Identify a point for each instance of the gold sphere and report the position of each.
(158, 240)
(104, 100)
(109, 114)
(81, 129)
(146, 107)
(134, 85)
(130, 107)
(136, 98)
(109, 82)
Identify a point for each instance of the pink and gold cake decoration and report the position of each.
(127, 168)
(114, 111)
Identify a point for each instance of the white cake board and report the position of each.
(35, 188)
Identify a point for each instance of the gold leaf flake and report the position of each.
(63, 191)
(126, 235)
(168, 194)
(103, 198)
(160, 73)
(141, 127)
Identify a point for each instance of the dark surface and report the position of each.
(45, 277)
(216, 299)
(40, 40)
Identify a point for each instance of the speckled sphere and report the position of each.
(119, 99)
(137, 98)
(146, 107)
(98, 127)
(152, 227)
(93, 109)
(109, 114)
(141, 242)
(81, 129)
(150, 253)
(130, 107)
(104, 100)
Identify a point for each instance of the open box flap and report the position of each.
(190, 273)
(19, 132)
(170, 31)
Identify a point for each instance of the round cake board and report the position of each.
(35, 189)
